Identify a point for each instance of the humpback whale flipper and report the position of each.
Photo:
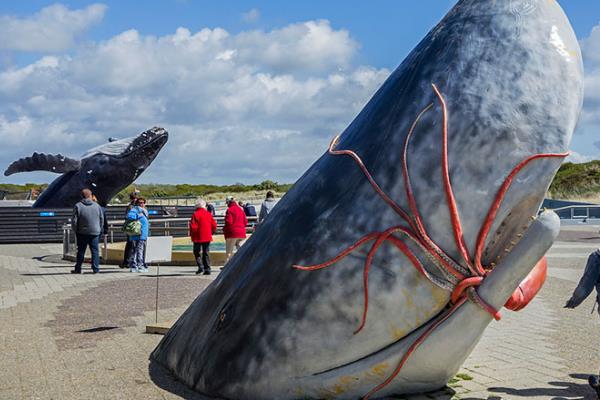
(44, 162)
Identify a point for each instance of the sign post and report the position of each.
(158, 249)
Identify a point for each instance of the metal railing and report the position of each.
(578, 211)
(177, 227)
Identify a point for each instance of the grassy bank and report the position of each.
(579, 182)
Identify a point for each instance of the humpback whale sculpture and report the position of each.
(379, 270)
(106, 169)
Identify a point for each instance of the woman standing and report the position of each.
(202, 227)
(137, 260)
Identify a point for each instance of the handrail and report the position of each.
(583, 211)
(162, 226)
(575, 206)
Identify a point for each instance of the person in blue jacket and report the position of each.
(137, 262)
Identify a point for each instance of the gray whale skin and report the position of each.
(106, 169)
(510, 73)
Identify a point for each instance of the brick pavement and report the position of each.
(52, 347)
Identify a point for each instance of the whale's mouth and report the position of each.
(148, 143)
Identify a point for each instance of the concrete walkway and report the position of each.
(65, 336)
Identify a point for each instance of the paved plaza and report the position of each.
(65, 336)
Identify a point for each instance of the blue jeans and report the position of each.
(83, 241)
(137, 260)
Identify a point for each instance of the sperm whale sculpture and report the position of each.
(378, 272)
(105, 169)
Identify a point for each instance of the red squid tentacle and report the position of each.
(440, 319)
(343, 254)
(412, 203)
(495, 206)
(447, 283)
(452, 208)
(370, 178)
(382, 238)
(367, 267)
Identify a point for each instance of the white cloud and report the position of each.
(251, 16)
(240, 107)
(586, 135)
(577, 158)
(53, 29)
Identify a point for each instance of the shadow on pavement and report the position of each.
(98, 329)
(166, 381)
(560, 391)
(50, 258)
(85, 272)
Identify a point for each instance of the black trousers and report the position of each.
(202, 256)
(127, 253)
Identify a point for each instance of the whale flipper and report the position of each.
(44, 162)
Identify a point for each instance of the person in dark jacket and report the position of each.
(202, 227)
(211, 209)
(105, 225)
(249, 210)
(88, 221)
(234, 229)
(137, 260)
(589, 280)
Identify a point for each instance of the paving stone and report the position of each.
(542, 352)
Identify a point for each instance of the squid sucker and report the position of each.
(378, 272)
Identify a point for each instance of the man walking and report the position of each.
(88, 220)
(234, 229)
(202, 227)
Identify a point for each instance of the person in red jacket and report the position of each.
(234, 229)
(202, 227)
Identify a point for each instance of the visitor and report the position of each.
(589, 280)
(127, 253)
(266, 206)
(249, 210)
(594, 382)
(137, 259)
(105, 224)
(234, 229)
(211, 209)
(88, 221)
(202, 227)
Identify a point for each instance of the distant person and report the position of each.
(595, 384)
(249, 210)
(127, 253)
(234, 229)
(202, 227)
(266, 206)
(211, 209)
(137, 259)
(105, 224)
(88, 220)
(589, 280)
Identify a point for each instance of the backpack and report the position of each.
(132, 227)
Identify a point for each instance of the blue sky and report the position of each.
(82, 86)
